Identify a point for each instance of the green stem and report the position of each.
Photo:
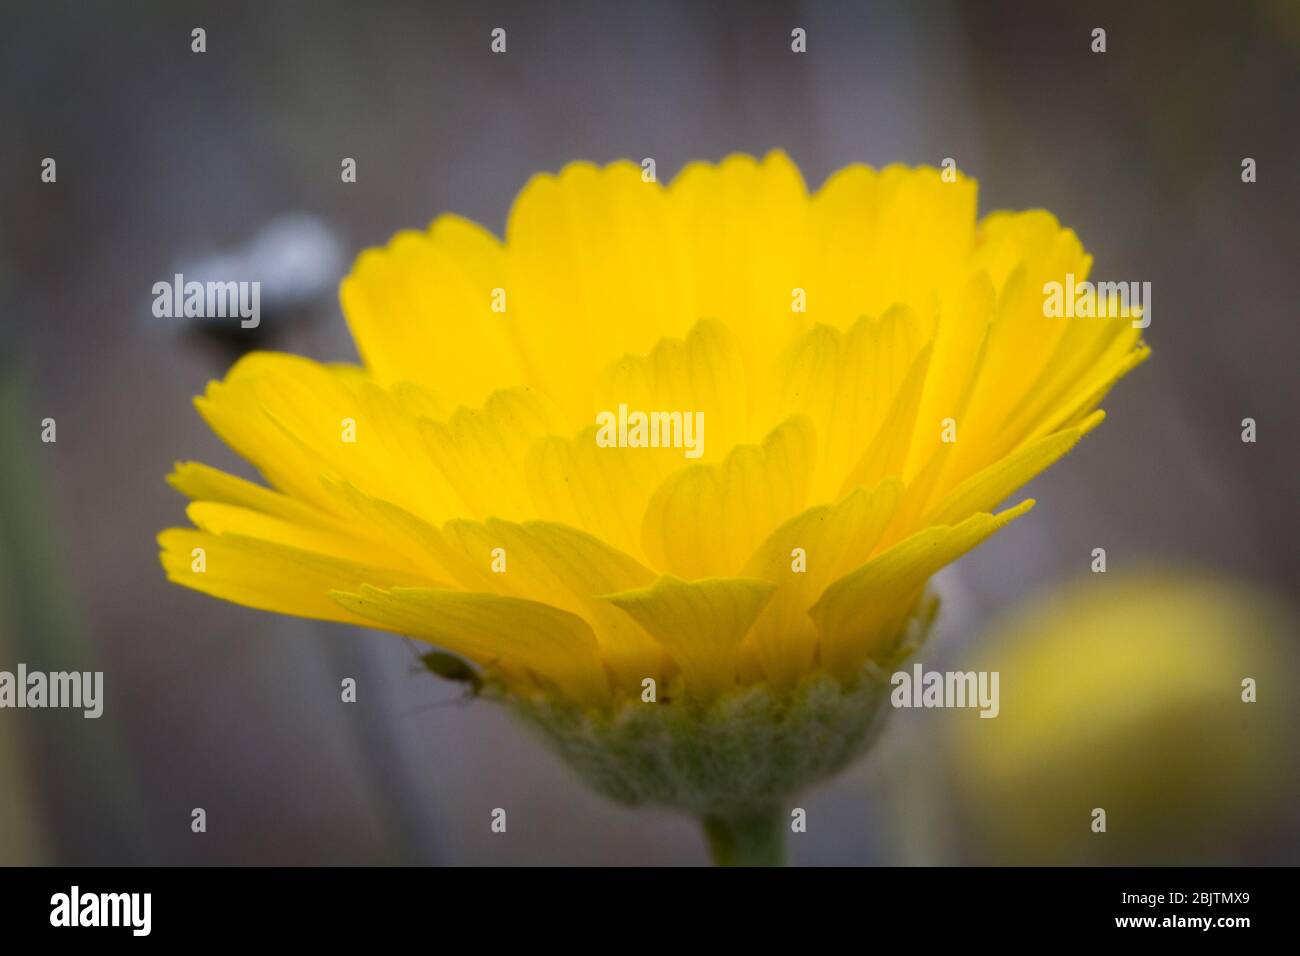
(752, 837)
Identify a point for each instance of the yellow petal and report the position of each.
(891, 442)
(562, 567)
(701, 624)
(554, 645)
(956, 356)
(201, 482)
(745, 226)
(701, 374)
(267, 575)
(847, 384)
(420, 543)
(592, 274)
(299, 421)
(348, 544)
(421, 311)
(802, 558)
(995, 483)
(480, 452)
(863, 614)
(705, 520)
(601, 490)
(897, 236)
(1078, 399)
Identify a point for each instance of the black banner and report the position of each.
(368, 905)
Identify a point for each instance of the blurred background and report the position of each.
(229, 162)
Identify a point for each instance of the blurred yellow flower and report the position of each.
(869, 366)
(1156, 698)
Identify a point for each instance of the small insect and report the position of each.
(451, 667)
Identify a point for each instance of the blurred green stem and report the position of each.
(750, 837)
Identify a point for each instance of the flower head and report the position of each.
(715, 435)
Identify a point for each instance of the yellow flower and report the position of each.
(1143, 709)
(842, 386)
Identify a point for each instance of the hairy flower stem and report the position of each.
(752, 837)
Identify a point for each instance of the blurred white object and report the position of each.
(297, 258)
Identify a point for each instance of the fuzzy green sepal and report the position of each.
(748, 750)
(736, 761)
